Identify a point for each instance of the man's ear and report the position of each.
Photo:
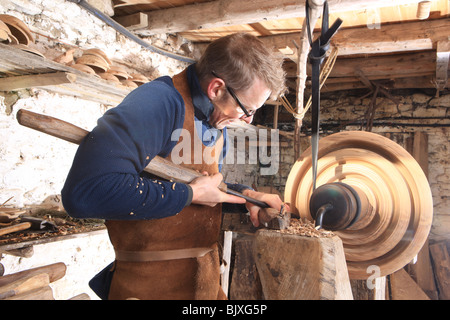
(216, 89)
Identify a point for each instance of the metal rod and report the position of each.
(121, 29)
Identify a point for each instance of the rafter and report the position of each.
(220, 13)
(399, 37)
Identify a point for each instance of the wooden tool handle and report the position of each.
(55, 272)
(15, 228)
(52, 126)
(158, 166)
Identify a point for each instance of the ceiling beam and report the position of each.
(398, 37)
(379, 67)
(221, 13)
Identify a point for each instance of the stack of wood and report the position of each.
(427, 279)
(34, 284)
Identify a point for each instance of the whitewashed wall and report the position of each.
(33, 165)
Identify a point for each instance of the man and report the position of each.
(165, 234)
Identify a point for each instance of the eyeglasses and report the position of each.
(231, 91)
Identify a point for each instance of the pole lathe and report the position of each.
(372, 193)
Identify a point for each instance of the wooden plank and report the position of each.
(426, 81)
(301, 268)
(36, 80)
(441, 263)
(221, 13)
(386, 67)
(379, 67)
(403, 287)
(226, 258)
(422, 271)
(17, 62)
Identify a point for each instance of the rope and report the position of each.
(326, 70)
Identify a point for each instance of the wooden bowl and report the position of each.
(95, 62)
(129, 84)
(109, 77)
(99, 53)
(18, 29)
(138, 78)
(119, 72)
(83, 68)
(4, 32)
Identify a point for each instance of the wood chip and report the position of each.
(306, 228)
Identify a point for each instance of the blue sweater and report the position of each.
(106, 179)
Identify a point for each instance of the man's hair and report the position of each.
(239, 58)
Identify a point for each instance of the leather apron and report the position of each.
(195, 226)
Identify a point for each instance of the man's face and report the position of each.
(227, 109)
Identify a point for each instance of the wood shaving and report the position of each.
(303, 227)
(66, 226)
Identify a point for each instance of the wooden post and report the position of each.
(442, 62)
(226, 257)
(245, 282)
(422, 271)
(441, 262)
(294, 267)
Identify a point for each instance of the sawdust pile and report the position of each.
(303, 227)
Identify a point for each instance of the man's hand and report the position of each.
(206, 192)
(273, 200)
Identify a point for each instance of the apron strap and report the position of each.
(163, 255)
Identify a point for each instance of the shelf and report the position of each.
(20, 69)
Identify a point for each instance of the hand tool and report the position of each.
(158, 166)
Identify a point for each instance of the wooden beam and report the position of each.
(301, 267)
(36, 80)
(380, 67)
(398, 37)
(133, 21)
(442, 58)
(221, 13)
(424, 82)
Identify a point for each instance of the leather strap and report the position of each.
(163, 255)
